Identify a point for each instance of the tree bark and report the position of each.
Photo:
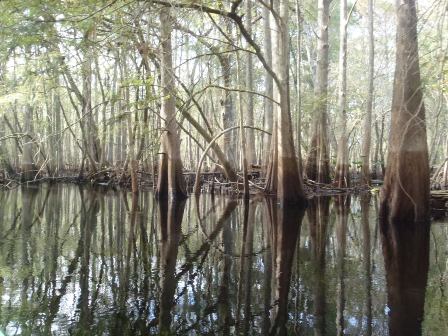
(365, 170)
(250, 154)
(269, 83)
(170, 180)
(244, 147)
(317, 165)
(92, 145)
(28, 165)
(342, 177)
(405, 193)
(58, 128)
(283, 178)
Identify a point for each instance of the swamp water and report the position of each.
(86, 262)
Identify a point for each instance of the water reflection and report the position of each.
(342, 206)
(170, 221)
(406, 258)
(367, 251)
(285, 224)
(89, 262)
(318, 217)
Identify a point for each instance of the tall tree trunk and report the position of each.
(298, 80)
(317, 165)
(92, 145)
(170, 180)
(227, 99)
(58, 128)
(283, 178)
(244, 147)
(342, 177)
(365, 170)
(119, 132)
(269, 84)
(28, 165)
(111, 127)
(250, 154)
(405, 194)
(133, 163)
(228, 116)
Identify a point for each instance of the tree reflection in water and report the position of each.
(318, 217)
(406, 259)
(92, 262)
(285, 225)
(170, 221)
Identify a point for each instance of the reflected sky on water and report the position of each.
(88, 262)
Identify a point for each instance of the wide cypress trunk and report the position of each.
(317, 165)
(283, 178)
(405, 194)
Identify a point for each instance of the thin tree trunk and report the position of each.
(111, 144)
(58, 128)
(342, 177)
(28, 165)
(269, 85)
(365, 170)
(244, 151)
(250, 154)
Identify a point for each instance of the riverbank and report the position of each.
(213, 183)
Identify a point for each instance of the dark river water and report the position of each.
(88, 262)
